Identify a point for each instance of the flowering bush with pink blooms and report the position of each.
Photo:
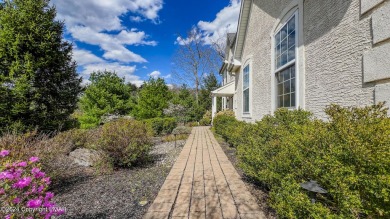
(23, 189)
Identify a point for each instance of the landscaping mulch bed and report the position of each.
(125, 193)
(257, 191)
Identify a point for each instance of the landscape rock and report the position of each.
(84, 157)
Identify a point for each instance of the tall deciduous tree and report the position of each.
(194, 59)
(153, 98)
(107, 94)
(39, 85)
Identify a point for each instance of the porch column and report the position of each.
(214, 108)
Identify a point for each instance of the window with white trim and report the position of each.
(285, 63)
(245, 89)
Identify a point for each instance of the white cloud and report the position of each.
(194, 35)
(104, 15)
(155, 74)
(113, 45)
(84, 57)
(124, 71)
(88, 21)
(226, 21)
(137, 19)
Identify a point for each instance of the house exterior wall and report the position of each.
(257, 52)
(230, 76)
(344, 55)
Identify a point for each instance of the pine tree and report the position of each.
(39, 86)
(153, 98)
(107, 94)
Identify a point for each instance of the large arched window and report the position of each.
(286, 41)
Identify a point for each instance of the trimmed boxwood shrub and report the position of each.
(126, 142)
(162, 126)
(348, 155)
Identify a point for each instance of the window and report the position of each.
(246, 89)
(285, 49)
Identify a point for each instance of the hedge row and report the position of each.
(349, 156)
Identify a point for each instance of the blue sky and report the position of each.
(137, 38)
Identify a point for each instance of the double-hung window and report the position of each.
(285, 63)
(245, 89)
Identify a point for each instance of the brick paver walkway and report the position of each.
(203, 184)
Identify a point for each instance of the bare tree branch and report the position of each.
(194, 59)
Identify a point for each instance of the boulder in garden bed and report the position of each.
(84, 157)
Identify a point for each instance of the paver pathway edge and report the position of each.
(203, 183)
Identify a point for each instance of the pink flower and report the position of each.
(60, 212)
(22, 164)
(37, 173)
(35, 170)
(33, 188)
(4, 153)
(49, 195)
(48, 215)
(8, 217)
(46, 180)
(40, 189)
(18, 173)
(34, 159)
(16, 200)
(34, 203)
(22, 183)
(6, 175)
(2, 191)
(48, 205)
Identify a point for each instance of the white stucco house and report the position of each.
(306, 54)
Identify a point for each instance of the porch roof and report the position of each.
(224, 91)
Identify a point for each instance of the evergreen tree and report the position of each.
(108, 94)
(210, 83)
(153, 98)
(186, 98)
(39, 85)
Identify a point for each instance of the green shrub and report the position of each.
(227, 112)
(52, 151)
(223, 124)
(348, 155)
(170, 138)
(162, 126)
(237, 132)
(182, 130)
(193, 124)
(126, 142)
(79, 138)
(206, 120)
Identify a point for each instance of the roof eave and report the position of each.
(246, 6)
(223, 67)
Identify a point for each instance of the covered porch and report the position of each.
(227, 94)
